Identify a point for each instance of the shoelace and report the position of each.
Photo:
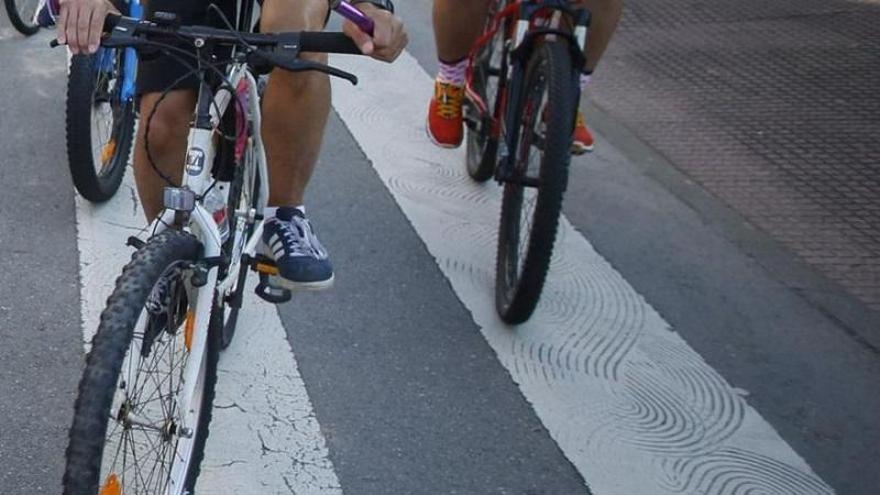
(298, 238)
(580, 120)
(449, 98)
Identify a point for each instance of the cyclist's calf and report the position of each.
(168, 124)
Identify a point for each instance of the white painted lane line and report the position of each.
(264, 437)
(633, 407)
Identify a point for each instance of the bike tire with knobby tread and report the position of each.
(516, 301)
(103, 364)
(91, 185)
(20, 25)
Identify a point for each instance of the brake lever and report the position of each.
(332, 71)
(257, 57)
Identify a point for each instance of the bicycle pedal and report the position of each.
(263, 265)
(270, 293)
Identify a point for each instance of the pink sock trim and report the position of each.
(453, 73)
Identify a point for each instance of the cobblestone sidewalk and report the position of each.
(774, 107)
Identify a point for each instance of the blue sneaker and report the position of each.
(302, 261)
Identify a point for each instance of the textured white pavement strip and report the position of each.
(264, 437)
(632, 406)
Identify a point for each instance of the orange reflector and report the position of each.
(267, 269)
(111, 486)
(188, 329)
(107, 151)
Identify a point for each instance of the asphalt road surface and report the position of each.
(664, 357)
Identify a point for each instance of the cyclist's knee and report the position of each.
(168, 119)
(297, 15)
(293, 15)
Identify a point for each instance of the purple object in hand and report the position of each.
(354, 15)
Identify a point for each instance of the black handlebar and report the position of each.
(278, 49)
(310, 41)
(328, 43)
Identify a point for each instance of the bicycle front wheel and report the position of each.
(23, 15)
(100, 124)
(131, 431)
(532, 198)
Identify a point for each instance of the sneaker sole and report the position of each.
(276, 281)
(580, 149)
(283, 283)
(438, 143)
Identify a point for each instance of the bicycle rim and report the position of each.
(149, 452)
(481, 106)
(242, 198)
(111, 118)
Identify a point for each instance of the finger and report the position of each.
(83, 20)
(382, 29)
(96, 27)
(397, 41)
(383, 38)
(61, 24)
(361, 39)
(70, 30)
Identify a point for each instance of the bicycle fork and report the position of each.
(520, 48)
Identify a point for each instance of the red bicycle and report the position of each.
(522, 95)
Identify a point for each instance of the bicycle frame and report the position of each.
(129, 59)
(184, 209)
(517, 47)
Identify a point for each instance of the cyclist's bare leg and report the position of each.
(295, 106)
(457, 25)
(606, 16)
(294, 115)
(169, 129)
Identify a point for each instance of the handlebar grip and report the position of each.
(354, 15)
(328, 43)
(110, 22)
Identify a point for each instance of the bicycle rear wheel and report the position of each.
(23, 15)
(532, 199)
(100, 124)
(130, 432)
(242, 198)
(481, 105)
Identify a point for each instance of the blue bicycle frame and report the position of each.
(129, 59)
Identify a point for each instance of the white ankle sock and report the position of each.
(269, 211)
(585, 80)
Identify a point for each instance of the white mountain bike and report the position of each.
(144, 402)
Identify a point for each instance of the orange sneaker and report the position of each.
(445, 126)
(583, 139)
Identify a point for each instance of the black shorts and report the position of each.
(160, 72)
